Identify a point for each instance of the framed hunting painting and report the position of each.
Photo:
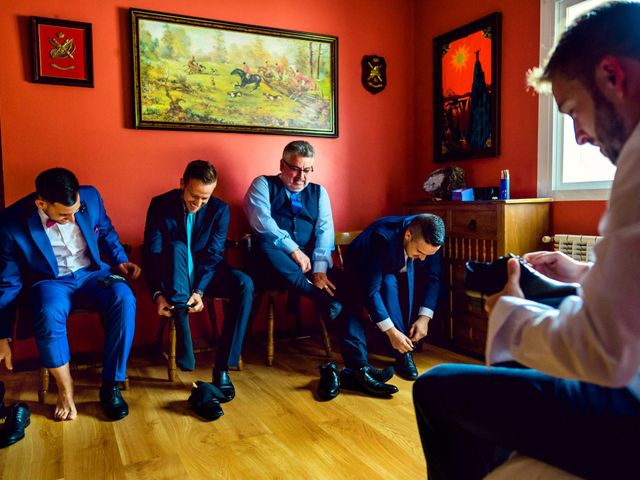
(197, 74)
(467, 91)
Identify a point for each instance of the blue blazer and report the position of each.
(26, 255)
(165, 224)
(379, 250)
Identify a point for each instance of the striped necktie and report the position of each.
(296, 203)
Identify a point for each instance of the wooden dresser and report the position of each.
(480, 231)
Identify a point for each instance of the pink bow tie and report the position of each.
(50, 223)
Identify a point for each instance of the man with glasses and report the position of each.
(292, 221)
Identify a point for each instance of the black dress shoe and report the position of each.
(382, 375)
(329, 385)
(489, 278)
(362, 381)
(112, 403)
(222, 381)
(16, 421)
(205, 400)
(405, 367)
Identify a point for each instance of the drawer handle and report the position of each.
(472, 225)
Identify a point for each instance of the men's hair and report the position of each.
(298, 148)
(612, 29)
(428, 227)
(200, 170)
(58, 185)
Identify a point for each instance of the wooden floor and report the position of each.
(274, 429)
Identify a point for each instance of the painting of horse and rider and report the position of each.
(197, 74)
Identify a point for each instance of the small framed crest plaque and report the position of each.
(62, 52)
(374, 73)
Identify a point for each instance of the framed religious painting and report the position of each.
(62, 52)
(466, 92)
(193, 73)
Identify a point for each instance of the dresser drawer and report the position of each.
(474, 223)
(470, 333)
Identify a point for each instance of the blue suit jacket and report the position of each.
(379, 250)
(165, 224)
(26, 255)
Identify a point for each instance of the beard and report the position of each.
(609, 126)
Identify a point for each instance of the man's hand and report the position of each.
(196, 301)
(301, 259)
(321, 281)
(419, 329)
(129, 269)
(399, 340)
(5, 353)
(164, 309)
(557, 265)
(511, 288)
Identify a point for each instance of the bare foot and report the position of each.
(65, 407)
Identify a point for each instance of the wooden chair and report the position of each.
(293, 304)
(210, 304)
(342, 241)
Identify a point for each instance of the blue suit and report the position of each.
(372, 269)
(28, 265)
(165, 265)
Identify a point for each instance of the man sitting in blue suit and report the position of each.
(183, 251)
(385, 266)
(293, 223)
(51, 247)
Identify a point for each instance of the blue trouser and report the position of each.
(354, 342)
(228, 283)
(50, 302)
(470, 417)
(275, 269)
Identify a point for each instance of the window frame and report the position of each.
(551, 123)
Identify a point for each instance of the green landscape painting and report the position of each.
(198, 74)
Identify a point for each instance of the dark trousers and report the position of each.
(394, 291)
(470, 417)
(275, 269)
(228, 283)
(51, 301)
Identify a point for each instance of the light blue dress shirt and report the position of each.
(257, 207)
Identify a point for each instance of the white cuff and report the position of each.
(426, 312)
(385, 325)
(320, 266)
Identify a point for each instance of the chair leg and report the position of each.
(271, 314)
(44, 384)
(325, 335)
(172, 350)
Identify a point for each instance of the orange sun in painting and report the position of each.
(459, 58)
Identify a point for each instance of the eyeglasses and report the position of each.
(293, 168)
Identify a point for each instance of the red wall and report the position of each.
(519, 107)
(89, 130)
(381, 158)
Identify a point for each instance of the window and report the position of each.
(566, 170)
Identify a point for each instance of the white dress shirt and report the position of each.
(69, 245)
(386, 324)
(594, 337)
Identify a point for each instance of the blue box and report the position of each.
(462, 195)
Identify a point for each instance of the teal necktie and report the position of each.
(189, 226)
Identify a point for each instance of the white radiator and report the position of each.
(579, 247)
